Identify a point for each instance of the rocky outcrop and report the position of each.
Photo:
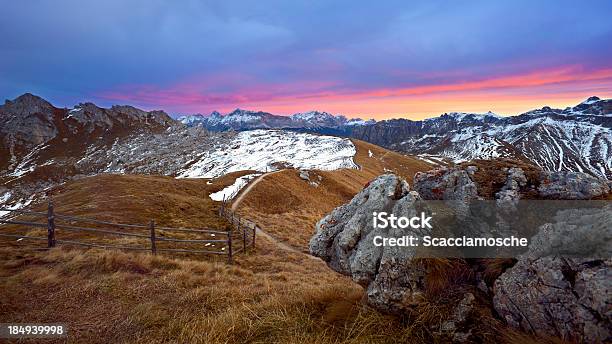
(344, 240)
(313, 179)
(572, 185)
(26, 121)
(446, 184)
(553, 289)
(569, 298)
(510, 192)
(92, 117)
(547, 292)
(341, 236)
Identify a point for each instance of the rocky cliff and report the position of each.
(546, 295)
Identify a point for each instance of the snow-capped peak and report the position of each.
(592, 106)
(191, 119)
(359, 121)
(590, 100)
(311, 115)
(460, 116)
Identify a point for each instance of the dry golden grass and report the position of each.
(267, 296)
(288, 207)
(270, 297)
(132, 199)
(111, 296)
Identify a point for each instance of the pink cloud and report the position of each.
(228, 91)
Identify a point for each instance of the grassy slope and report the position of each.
(288, 207)
(110, 296)
(270, 296)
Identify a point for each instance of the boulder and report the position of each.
(552, 296)
(446, 184)
(510, 192)
(304, 175)
(569, 297)
(571, 185)
(344, 239)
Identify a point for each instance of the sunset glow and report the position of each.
(378, 61)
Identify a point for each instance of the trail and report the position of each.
(245, 191)
(259, 231)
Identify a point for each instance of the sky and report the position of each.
(371, 59)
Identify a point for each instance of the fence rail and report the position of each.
(232, 241)
(244, 228)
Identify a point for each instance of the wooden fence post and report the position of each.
(254, 230)
(243, 236)
(152, 227)
(50, 225)
(229, 246)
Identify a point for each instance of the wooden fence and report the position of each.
(244, 227)
(227, 242)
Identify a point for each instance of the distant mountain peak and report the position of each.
(313, 114)
(591, 100)
(29, 99)
(28, 104)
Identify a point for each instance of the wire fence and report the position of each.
(238, 238)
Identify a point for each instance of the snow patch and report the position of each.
(19, 205)
(231, 191)
(264, 150)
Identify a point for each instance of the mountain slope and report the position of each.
(49, 146)
(574, 139)
(287, 204)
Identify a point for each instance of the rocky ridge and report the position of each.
(568, 298)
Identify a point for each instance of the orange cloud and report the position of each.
(559, 87)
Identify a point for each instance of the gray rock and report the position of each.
(579, 232)
(446, 184)
(471, 169)
(565, 297)
(454, 185)
(571, 185)
(304, 175)
(506, 200)
(509, 193)
(343, 239)
(453, 327)
(548, 296)
(543, 294)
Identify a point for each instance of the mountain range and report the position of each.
(41, 145)
(246, 120)
(574, 139)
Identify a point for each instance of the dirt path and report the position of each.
(259, 231)
(244, 192)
